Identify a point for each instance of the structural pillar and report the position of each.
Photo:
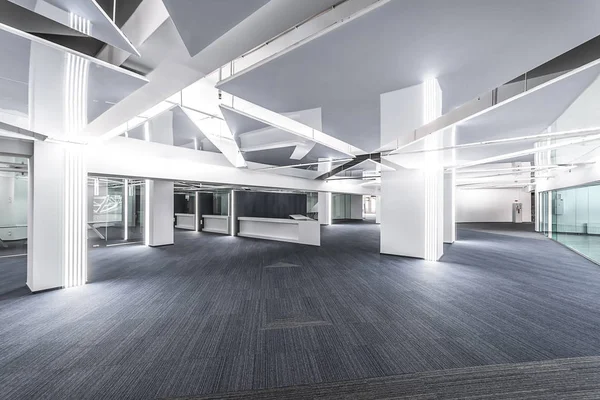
(450, 207)
(324, 198)
(325, 208)
(160, 229)
(412, 199)
(57, 224)
(160, 207)
(412, 213)
(57, 209)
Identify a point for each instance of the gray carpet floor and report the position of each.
(572, 378)
(216, 314)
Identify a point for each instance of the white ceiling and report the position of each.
(201, 22)
(471, 46)
(178, 70)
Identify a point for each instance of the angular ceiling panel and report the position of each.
(85, 16)
(24, 84)
(201, 22)
(471, 46)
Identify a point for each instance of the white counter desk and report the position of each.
(186, 221)
(283, 230)
(216, 224)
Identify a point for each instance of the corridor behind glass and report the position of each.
(572, 217)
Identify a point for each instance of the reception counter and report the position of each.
(186, 221)
(216, 224)
(283, 230)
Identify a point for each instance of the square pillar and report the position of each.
(450, 207)
(160, 208)
(412, 213)
(57, 226)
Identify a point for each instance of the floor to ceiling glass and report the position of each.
(14, 188)
(572, 217)
(115, 211)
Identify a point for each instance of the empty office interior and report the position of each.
(293, 199)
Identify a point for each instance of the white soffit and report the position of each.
(79, 14)
(471, 46)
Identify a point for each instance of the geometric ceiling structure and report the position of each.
(201, 22)
(84, 16)
(185, 132)
(470, 46)
(510, 128)
(26, 65)
(272, 146)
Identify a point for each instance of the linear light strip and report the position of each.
(126, 209)
(232, 223)
(505, 102)
(147, 212)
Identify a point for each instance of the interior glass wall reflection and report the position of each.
(341, 207)
(14, 188)
(574, 218)
(115, 211)
(221, 203)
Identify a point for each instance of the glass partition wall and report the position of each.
(14, 188)
(115, 211)
(572, 217)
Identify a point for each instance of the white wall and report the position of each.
(490, 205)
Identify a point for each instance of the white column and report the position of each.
(159, 213)
(324, 198)
(378, 210)
(412, 200)
(325, 208)
(412, 213)
(57, 209)
(57, 226)
(450, 207)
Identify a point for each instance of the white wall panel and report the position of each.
(490, 205)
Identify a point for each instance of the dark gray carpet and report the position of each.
(217, 314)
(574, 378)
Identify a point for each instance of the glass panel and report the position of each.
(115, 211)
(14, 188)
(221, 203)
(575, 218)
